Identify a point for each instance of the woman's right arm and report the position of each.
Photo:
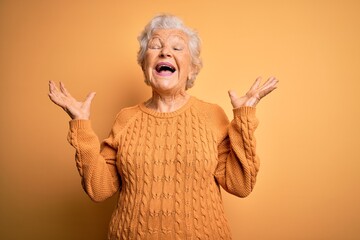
(96, 164)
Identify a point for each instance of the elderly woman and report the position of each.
(169, 155)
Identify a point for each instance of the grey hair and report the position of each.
(166, 21)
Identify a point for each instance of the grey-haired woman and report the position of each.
(168, 156)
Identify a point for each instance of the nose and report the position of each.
(165, 52)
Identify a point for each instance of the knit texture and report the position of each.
(168, 168)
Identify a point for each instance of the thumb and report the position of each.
(232, 94)
(90, 97)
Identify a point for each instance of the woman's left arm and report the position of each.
(238, 162)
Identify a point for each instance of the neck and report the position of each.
(170, 103)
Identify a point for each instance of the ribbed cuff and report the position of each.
(80, 124)
(244, 111)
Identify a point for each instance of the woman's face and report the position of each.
(167, 63)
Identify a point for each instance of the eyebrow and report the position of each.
(175, 35)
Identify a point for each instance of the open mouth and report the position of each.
(165, 69)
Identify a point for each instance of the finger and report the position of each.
(268, 90)
(232, 94)
(52, 87)
(90, 97)
(269, 80)
(53, 92)
(64, 90)
(55, 99)
(55, 95)
(272, 81)
(256, 84)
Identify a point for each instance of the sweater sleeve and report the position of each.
(238, 163)
(96, 163)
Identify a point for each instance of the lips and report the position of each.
(164, 69)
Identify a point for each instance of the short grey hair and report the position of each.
(166, 21)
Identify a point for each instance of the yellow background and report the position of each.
(308, 138)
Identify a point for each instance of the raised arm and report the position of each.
(238, 161)
(96, 164)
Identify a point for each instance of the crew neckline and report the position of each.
(155, 113)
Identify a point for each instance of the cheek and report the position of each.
(146, 68)
(186, 63)
(148, 59)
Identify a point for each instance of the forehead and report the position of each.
(169, 34)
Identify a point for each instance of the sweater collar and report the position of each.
(155, 113)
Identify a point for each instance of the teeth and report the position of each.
(165, 67)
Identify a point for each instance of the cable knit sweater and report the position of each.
(168, 168)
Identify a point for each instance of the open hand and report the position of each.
(255, 94)
(75, 109)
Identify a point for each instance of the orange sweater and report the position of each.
(168, 168)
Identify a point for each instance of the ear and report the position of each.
(143, 66)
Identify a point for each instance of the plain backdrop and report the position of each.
(308, 137)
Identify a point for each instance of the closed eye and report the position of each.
(177, 48)
(154, 43)
(154, 47)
